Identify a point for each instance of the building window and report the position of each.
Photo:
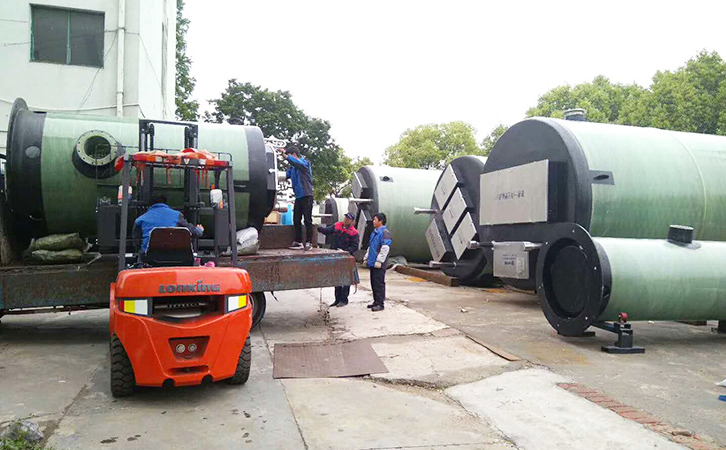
(66, 36)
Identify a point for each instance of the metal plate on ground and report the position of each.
(435, 241)
(446, 185)
(454, 210)
(325, 360)
(463, 236)
(511, 260)
(515, 195)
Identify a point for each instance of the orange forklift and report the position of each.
(176, 319)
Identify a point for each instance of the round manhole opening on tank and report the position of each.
(569, 278)
(96, 148)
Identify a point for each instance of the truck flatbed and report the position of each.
(40, 288)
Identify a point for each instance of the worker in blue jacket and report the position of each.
(376, 259)
(345, 237)
(161, 215)
(300, 173)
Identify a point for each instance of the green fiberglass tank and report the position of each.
(60, 165)
(613, 180)
(395, 192)
(583, 279)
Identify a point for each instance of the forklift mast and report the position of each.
(224, 228)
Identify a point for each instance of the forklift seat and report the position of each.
(169, 247)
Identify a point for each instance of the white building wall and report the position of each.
(90, 90)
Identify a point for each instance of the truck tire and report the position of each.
(244, 363)
(122, 373)
(259, 305)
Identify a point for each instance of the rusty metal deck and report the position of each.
(285, 270)
(85, 284)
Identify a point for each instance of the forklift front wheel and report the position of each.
(122, 373)
(259, 305)
(244, 363)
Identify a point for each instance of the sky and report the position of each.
(376, 68)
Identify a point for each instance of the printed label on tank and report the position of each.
(454, 210)
(515, 195)
(511, 260)
(445, 186)
(463, 236)
(436, 243)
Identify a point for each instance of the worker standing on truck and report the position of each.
(161, 215)
(376, 259)
(345, 237)
(300, 173)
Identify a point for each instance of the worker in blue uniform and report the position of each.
(161, 215)
(376, 259)
(300, 173)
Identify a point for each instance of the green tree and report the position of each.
(186, 108)
(487, 144)
(433, 146)
(691, 98)
(277, 116)
(601, 99)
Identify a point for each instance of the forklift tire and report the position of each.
(244, 363)
(122, 373)
(259, 305)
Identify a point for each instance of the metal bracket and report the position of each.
(473, 245)
(624, 344)
(425, 211)
(360, 200)
(437, 265)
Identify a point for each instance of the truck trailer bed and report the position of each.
(36, 288)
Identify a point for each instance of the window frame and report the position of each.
(68, 12)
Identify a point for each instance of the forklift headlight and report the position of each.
(138, 307)
(235, 302)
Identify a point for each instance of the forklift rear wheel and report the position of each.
(244, 363)
(122, 373)
(259, 305)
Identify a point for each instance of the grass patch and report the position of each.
(19, 443)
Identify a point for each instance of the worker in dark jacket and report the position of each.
(300, 173)
(160, 215)
(345, 237)
(376, 259)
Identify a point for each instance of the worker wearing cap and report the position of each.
(345, 237)
(300, 173)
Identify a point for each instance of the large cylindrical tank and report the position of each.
(582, 279)
(395, 191)
(60, 165)
(332, 210)
(456, 219)
(613, 180)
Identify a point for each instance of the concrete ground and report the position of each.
(675, 380)
(443, 389)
